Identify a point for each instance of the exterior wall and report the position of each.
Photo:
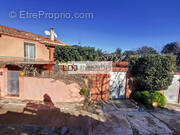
(173, 91)
(42, 52)
(129, 84)
(101, 85)
(11, 46)
(52, 54)
(3, 82)
(32, 88)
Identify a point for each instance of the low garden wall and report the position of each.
(100, 86)
(100, 89)
(32, 88)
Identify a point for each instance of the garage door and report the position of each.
(117, 85)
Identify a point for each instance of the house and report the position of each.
(16, 44)
(19, 49)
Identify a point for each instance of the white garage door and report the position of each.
(117, 85)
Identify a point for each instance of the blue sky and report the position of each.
(127, 24)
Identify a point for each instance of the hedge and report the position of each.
(147, 98)
(75, 53)
(153, 72)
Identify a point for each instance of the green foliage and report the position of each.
(49, 53)
(132, 61)
(153, 72)
(57, 62)
(146, 50)
(171, 48)
(118, 51)
(142, 97)
(160, 98)
(178, 61)
(114, 56)
(140, 51)
(147, 98)
(128, 54)
(75, 53)
(100, 52)
(83, 91)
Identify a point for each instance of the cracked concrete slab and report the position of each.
(116, 124)
(144, 123)
(132, 123)
(170, 117)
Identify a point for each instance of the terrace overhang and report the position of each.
(4, 60)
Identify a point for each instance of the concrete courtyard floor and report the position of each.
(119, 117)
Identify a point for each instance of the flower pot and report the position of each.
(22, 73)
(155, 104)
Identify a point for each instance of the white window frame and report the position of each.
(33, 44)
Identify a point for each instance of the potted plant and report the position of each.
(22, 73)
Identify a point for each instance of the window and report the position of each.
(29, 50)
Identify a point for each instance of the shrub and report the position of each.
(147, 98)
(160, 98)
(142, 97)
(178, 61)
(75, 53)
(83, 91)
(153, 72)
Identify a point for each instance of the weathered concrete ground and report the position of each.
(130, 122)
(170, 116)
(114, 118)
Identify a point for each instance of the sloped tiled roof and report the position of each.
(27, 35)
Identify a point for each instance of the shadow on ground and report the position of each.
(118, 117)
(46, 115)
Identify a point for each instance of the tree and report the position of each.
(118, 51)
(75, 53)
(128, 54)
(178, 61)
(146, 50)
(171, 48)
(100, 52)
(153, 72)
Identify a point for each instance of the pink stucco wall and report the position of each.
(34, 89)
(3, 82)
(12, 46)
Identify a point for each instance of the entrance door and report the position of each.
(13, 82)
(117, 85)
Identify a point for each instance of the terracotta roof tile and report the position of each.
(27, 35)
